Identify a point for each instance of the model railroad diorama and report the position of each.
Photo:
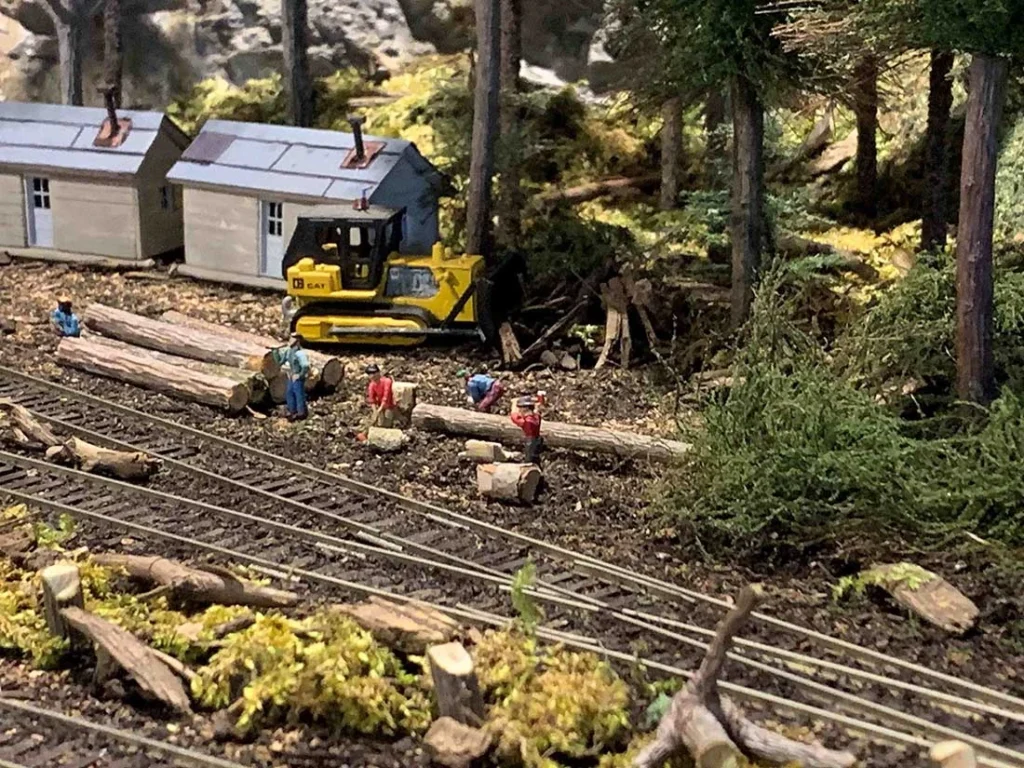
(279, 485)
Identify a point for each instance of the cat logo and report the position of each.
(298, 283)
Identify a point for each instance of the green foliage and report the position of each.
(323, 668)
(22, 626)
(906, 574)
(525, 606)
(48, 537)
(1009, 221)
(797, 455)
(975, 26)
(258, 101)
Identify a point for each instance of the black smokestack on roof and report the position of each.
(108, 96)
(357, 131)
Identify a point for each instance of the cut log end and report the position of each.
(517, 483)
(455, 683)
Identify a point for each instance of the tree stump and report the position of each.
(455, 683)
(509, 482)
(386, 440)
(62, 588)
(713, 729)
(485, 451)
(404, 393)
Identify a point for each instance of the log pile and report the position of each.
(189, 359)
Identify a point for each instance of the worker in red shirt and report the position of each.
(526, 416)
(379, 396)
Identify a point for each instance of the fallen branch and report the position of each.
(619, 186)
(198, 586)
(713, 729)
(18, 426)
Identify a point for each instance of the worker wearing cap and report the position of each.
(481, 390)
(294, 357)
(380, 397)
(63, 321)
(526, 416)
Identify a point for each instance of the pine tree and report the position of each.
(485, 124)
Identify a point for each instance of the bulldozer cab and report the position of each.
(359, 246)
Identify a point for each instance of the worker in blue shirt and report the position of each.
(481, 390)
(64, 321)
(294, 358)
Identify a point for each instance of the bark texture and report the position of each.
(940, 101)
(70, 31)
(865, 107)
(714, 150)
(62, 588)
(113, 50)
(986, 94)
(485, 125)
(455, 683)
(510, 194)
(148, 373)
(747, 195)
(218, 586)
(295, 42)
(123, 465)
(671, 152)
(457, 421)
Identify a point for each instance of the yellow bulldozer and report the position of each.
(348, 283)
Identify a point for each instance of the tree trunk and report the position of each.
(62, 588)
(332, 371)
(113, 51)
(295, 42)
(714, 149)
(176, 340)
(865, 107)
(69, 46)
(987, 91)
(515, 483)
(485, 124)
(259, 387)
(940, 101)
(145, 372)
(747, 195)
(123, 465)
(455, 683)
(510, 194)
(457, 421)
(218, 587)
(671, 152)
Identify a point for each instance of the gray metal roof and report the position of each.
(280, 159)
(58, 137)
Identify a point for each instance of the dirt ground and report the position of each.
(600, 505)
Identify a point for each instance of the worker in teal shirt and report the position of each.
(296, 360)
(64, 321)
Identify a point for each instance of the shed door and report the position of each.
(272, 240)
(40, 215)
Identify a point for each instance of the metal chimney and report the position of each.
(357, 131)
(108, 96)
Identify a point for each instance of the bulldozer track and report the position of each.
(34, 737)
(336, 528)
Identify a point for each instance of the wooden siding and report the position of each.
(92, 217)
(12, 210)
(221, 231)
(160, 229)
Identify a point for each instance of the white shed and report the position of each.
(246, 184)
(67, 187)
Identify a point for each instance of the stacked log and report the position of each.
(332, 370)
(136, 368)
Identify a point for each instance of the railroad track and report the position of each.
(34, 737)
(466, 549)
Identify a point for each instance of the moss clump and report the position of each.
(324, 668)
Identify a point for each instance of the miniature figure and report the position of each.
(297, 361)
(64, 321)
(379, 396)
(526, 415)
(481, 390)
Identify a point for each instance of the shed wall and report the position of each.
(96, 218)
(405, 188)
(161, 229)
(12, 210)
(221, 231)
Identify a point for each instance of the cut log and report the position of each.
(488, 452)
(835, 156)
(408, 628)
(925, 594)
(332, 370)
(145, 372)
(277, 387)
(619, 186)
(711, 727)
(135, 658)
(510, 352)
(62, 588)
(509, 482)
(19, 427)
(616, 301)
(953, 754)
(386, 440)
(456, 684)
(199, 586)
(124, 465)
(176, 339)
(404, 393)
(255, 381)
(458, 421)
(454, 745)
